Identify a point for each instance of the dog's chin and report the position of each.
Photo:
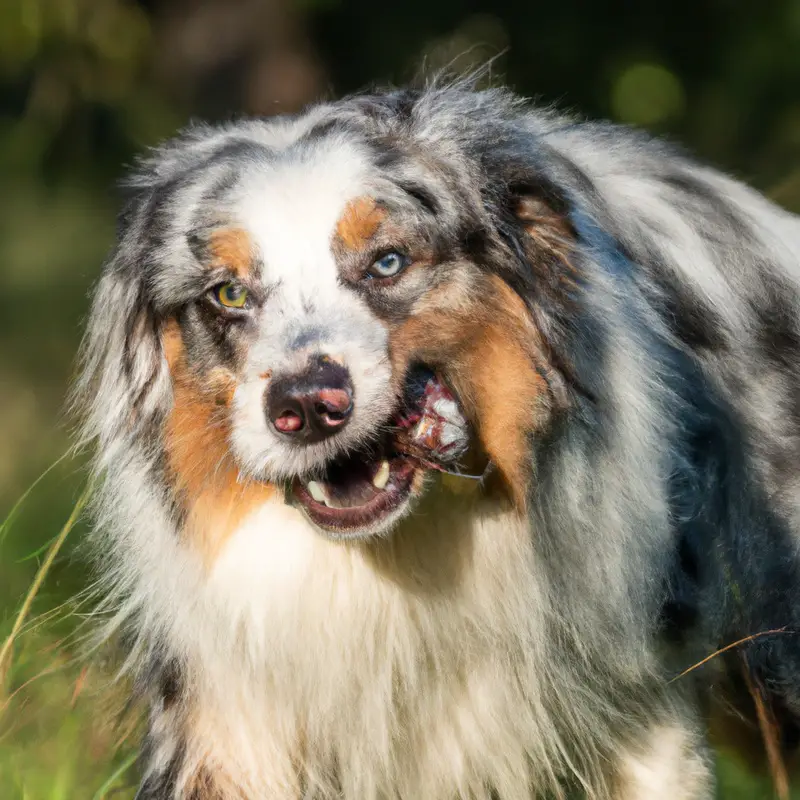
(367, 492)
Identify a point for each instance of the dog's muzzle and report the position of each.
(363, 491)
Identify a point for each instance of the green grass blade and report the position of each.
(24, 496)
(38, 580)
(37, 552)
(101, 793)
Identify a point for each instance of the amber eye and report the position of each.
(230, 295)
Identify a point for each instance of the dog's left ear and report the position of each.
(541, 211)
(536, 224)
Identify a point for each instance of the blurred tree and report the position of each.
(82, 78)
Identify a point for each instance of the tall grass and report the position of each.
(62, 736)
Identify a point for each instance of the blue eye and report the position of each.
(388, 266)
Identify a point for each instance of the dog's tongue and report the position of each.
(433, 428)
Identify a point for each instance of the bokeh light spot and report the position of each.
(647, 94)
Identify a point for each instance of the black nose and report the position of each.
(311, 405)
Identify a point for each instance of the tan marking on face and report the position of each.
(359, 222)
(487, 352)
(335, 359)
(172, 343)
(205, 477)
(231, 248)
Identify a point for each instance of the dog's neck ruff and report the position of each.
(396, 667)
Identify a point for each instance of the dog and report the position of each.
(438, 438)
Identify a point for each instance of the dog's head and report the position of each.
(331, 306)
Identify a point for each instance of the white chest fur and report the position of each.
(399, 667)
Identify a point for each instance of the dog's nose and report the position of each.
(311, 405)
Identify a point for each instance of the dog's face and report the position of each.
(336, 323)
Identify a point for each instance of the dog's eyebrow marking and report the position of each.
(231, 248)
(359, 222)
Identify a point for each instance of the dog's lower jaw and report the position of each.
(408, 667)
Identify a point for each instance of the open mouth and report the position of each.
(363, 492)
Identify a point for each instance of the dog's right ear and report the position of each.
(124, 380)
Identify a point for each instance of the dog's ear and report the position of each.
(542, 218)
(535, 222)
(540, 210)
(124, 380)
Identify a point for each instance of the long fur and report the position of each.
(504, 644)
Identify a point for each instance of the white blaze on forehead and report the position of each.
(290, 209)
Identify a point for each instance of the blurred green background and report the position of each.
(86, 84)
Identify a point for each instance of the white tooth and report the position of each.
(317, 492)
(446, 408)
(381, 476)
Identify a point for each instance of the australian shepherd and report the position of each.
(436, 436)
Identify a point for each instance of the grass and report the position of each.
(41, 574)
(61, 733)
